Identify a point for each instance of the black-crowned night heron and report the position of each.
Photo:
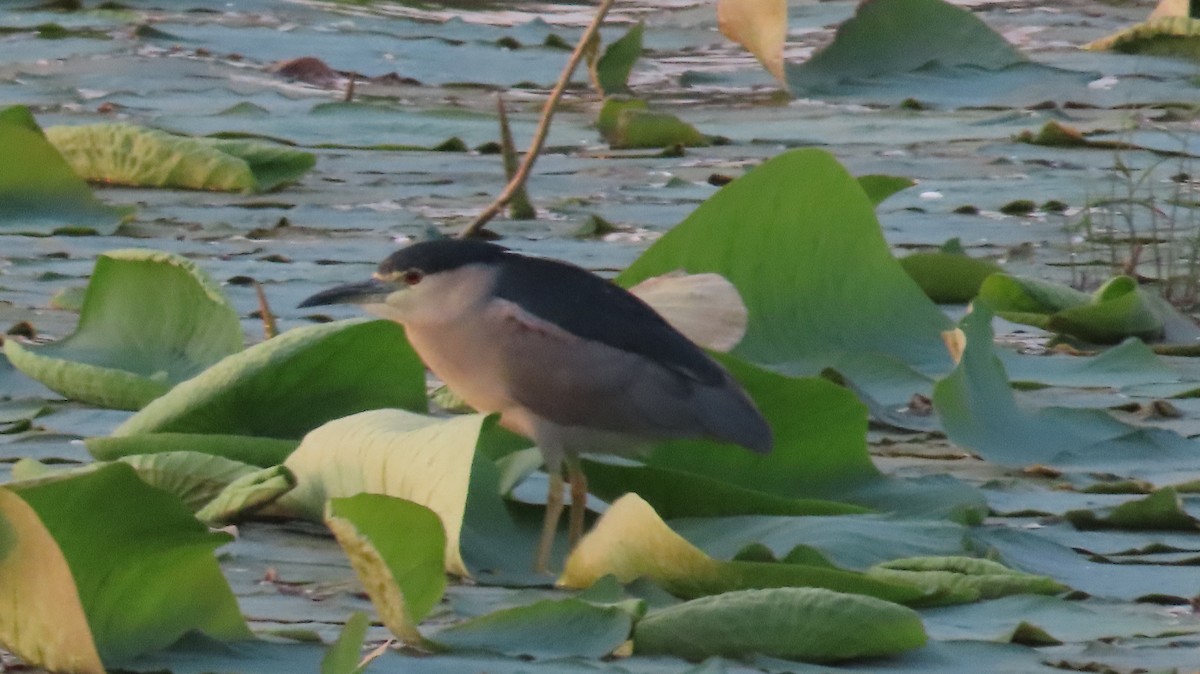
(565, 357)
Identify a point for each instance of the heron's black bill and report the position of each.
(365, 292)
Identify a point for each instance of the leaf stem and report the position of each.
(543, 128)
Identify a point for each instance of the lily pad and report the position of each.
(111, 565)
(362, 453)
(256, 451)
(396, 548)
(149, 320)
(544, 629)
(811, 264)
(124, 154)
(630, 542)
(611, 70)
(1118, 309)
(758, 25)
(804, 624)
(288, 385)
(1164, 36)
(902, 36)
(42, 192)
(1160, 510)
(948, 278)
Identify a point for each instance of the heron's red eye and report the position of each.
(413, 276)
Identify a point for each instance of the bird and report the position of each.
(566, 358)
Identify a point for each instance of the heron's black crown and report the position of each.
(440, 255)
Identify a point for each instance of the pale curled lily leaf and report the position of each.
(706, 308)
(758, 25)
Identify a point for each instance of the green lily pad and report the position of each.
(99, 567)
(879, 187)
(900, 36)
(345, 653)
(544, 629)
(149, 320)
(611, 70)
(636, 127)
(1118, 309)
(811, 265)
(957, 580)
(1160, 510)
(948, 278)
(124, 154)
(396, 548)
(362, 453)
(288, 385)
(41, 192)
(256, 451)
(630, 542)
(806, 624)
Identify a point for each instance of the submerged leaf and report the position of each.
(150, 320)
(806, 624)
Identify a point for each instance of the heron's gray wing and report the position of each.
(573, 381)
(598, 311)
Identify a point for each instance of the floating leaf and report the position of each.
(288, 385)
(421, 459)
(1118, 309)
(879, 187)
(247, 495)
(124, 154)
(1159, 36)
(805, 624)
(41, 192)
(262, 452)
(119, 567)
(344, 655)
(979, 411)
(611, 70)
(899, 36)
(948, 278)
(1162, 510)
(544, 629)
(396, 548)
(957, 580)
(811, 264)
(758, 25)
(639, 128)
(630, 541)
(149, 320)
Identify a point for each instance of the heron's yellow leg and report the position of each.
(554, 508)
(579, 494)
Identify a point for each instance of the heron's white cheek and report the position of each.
(385, 311)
